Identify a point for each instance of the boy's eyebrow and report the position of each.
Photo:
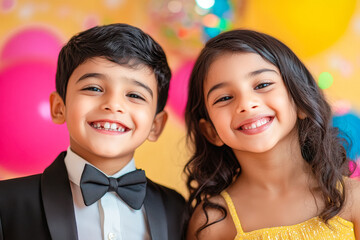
(146, 87)
(91, 75)
(102, 76)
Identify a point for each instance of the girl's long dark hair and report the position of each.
(212, 169)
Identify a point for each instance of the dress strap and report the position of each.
(232, 210)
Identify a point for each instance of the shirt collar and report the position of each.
(75, 166)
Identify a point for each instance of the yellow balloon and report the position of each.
(307, 27)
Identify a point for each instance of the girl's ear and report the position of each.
(57, 108)
(208, 130)
(158, 126)
(301, 115)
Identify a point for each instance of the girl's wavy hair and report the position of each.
(212, 169)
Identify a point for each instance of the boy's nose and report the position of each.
(113, 104)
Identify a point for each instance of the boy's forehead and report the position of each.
(101, 66)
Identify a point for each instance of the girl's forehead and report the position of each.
(238, 64)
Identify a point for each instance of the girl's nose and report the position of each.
(246, 104)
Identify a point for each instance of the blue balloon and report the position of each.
(349, 126)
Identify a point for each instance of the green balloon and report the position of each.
(325, 80)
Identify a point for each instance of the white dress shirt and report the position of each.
(110, 218)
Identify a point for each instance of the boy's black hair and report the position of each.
(120, 43)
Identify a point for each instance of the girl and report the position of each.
(267, 164)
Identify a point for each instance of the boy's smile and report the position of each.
(110, 110)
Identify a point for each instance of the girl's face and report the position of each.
(248, 104)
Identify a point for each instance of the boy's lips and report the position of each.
(109, 125)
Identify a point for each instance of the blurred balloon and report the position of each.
(325, 80)
(308, 26)
(30, 141)
(30, 44)
(349, 124)
(178, 91)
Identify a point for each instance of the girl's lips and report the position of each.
(256, 125)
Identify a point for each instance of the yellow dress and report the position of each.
(313, 228)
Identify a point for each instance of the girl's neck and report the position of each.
(276, 170)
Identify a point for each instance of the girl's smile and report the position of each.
(255, 125)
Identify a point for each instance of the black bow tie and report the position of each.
(130, 187)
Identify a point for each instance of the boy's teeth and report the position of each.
(109, 126)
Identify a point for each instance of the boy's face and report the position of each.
(110, 110)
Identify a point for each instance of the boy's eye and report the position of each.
(94, 89)
(262, 85)
(134, 95)
(223, 99)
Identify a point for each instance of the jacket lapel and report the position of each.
(58, 202)
(155, 212)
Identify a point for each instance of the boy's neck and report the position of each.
(109, 166)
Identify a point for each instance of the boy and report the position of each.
(111, 88)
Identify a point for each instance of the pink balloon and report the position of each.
(354, 167)
(178, 91)
(29, 140)
(30, 44)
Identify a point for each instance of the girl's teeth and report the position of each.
(256, 124)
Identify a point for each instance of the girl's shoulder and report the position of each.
(352, 199)
(218, 229)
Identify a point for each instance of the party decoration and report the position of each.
(30, 141)
(308, 27)
(205, 4)
(325, 80)
(31, 44)
(349, 124)
(7, 5)
(178, 91)
(191, 21)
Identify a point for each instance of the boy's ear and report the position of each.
(57, 108)
(208, 130)
(158, 126)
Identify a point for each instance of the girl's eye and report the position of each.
(134, 95)
(223, 99)
(93, 89)
(262, 85)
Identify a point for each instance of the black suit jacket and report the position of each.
(41, 207)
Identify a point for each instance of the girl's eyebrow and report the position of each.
(257, 72)
(220, 85)
(250, 74)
